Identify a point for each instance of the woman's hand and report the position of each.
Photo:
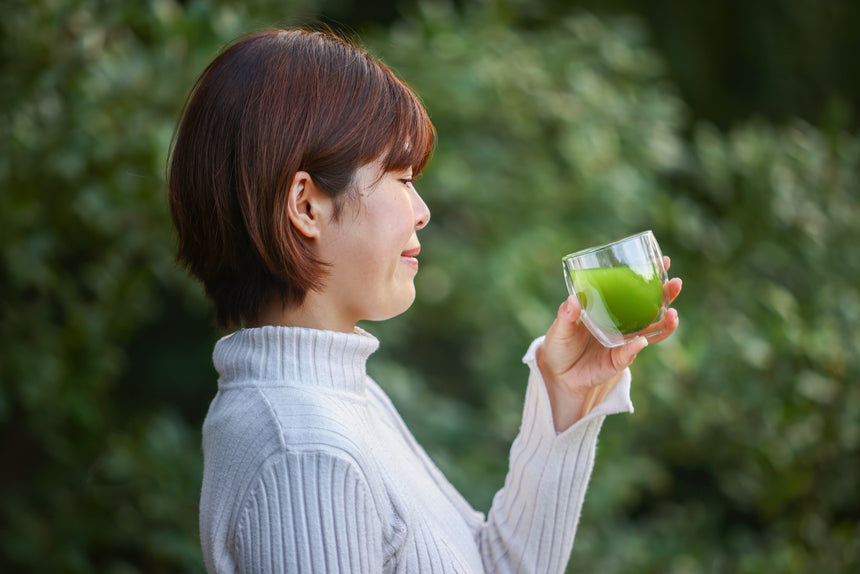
(578, 371)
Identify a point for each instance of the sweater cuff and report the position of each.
(537, 397)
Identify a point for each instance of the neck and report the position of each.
(310, 314)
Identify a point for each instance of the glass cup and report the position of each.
(620, 288)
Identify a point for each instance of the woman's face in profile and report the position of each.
(373, 247)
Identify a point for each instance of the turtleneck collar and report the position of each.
(294, 356)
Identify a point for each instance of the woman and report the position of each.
(291, 188)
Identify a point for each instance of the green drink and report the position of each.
(620, 288)
(619, 299)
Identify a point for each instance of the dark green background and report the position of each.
(727, 127)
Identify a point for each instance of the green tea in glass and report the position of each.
(620, 288)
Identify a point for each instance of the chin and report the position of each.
(395, 307)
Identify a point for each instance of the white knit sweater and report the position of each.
(309, 468)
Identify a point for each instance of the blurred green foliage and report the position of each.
(557, 130)
(732, 60)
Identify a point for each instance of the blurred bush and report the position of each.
(743, 451)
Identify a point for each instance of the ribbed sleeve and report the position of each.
(533, 519)
(307, 513)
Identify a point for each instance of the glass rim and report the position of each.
(594, 249)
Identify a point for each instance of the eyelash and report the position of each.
(408, 180)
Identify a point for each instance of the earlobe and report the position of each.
(307, 205)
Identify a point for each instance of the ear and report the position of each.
(308, 207)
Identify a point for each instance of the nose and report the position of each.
(421, 211)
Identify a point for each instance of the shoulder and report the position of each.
(269, 419)
(267, 448)
(309, 477)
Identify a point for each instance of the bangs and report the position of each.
(411, 136)
(368, 116)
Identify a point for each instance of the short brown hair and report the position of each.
(271, 104)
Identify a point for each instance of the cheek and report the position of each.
(394, 228)
(406, 219)
(383, 234)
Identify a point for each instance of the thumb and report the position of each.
(564, 326)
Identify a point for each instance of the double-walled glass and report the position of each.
(620, 287)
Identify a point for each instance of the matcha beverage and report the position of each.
(620, 288)
(619, 298)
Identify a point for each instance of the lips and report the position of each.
(410, 257)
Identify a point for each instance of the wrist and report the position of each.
(566, 402)
(571, 402)
(595, 395)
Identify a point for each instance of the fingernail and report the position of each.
(568, 305)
